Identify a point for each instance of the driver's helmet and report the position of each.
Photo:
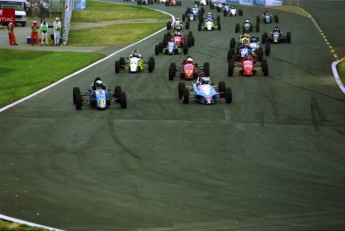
(135, 54)
(266, 12)
(189, 60)
(276, 28)
(209, 13)
(248, 57)
(245, 35)
(246, 44)
(178, 19)
(254, 39)
(247, 21)
(232, 7)
(178, 32)
(172, 39)
(195, 5)
(99, 84)
(205, 80)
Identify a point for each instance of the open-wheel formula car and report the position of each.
(267, 18)
(145, 2)
(231, 10)
(134, 64)
(246, 27)
(180, 39)
(193, 14)
(99, 98)
(204, 92)
(173, 3)
(247, 67)
(171, 48)
(201, 2)
(188, 70)
(253, 46)
(276, 37)
(209, 25)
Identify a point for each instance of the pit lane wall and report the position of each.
(252, 2)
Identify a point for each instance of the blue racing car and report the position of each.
(204, 92)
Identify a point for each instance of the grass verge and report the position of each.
(20, 74)
(10, 226)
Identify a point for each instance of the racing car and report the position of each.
(231, 11)
(193, 14)
(276, 37)
(171, 48)
(179, 38)
(267, 18)
(99, 98)
(204, 92)
(134, 64)
(145, 2)
(246, 27)
(173, 3)
(209, 25)
(253, 45)
(201, 2)
(189, 70)
(247, 67)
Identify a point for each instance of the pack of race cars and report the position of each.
(246, 55)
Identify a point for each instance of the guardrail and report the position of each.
(252, 2)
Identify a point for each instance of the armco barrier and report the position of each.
(252, 2)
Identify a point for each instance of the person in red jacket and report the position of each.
(34, 33)
(11, 37)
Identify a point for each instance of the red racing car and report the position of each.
(189, 70)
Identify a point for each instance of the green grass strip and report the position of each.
(341, 71)
(24, 72)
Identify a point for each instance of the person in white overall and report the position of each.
(44, 33)
(57, 30)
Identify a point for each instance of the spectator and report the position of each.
(11, 37)
(44, 33)
(34, 33)
(57, 30)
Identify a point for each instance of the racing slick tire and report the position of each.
(117, 92)
(123, 100)
(171, 73)
(230, 54)
(168, 25)
(265, 67)
(231, 68)
(218, 19)
(240, 12)
(257, 19)
(185, 48)
(232, 43)
(76, 90)
(150, 65)
(221, 89)
(218, 9)
(264, 37)
(257, 27)
(251, 28)
(276, 18)
(219, 26)
(260, 54)
(207, 69)
(192, 41)
(267, 49)
(224, 13)
(117, 66)
(157, 50)
(153, 61)
(185, 96)
(237, 27)
(173, 66)
(228, 95)
(122, 61)
(78, 101)
(202, 10)
(183, 18)
(288, 37)
(181, 87)
(187, 25)
(199, 26)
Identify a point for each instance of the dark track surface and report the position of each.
(272, 160)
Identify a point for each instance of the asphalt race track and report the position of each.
(274, 159)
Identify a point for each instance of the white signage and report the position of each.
(246, 2)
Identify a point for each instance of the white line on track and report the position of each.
(7, 218)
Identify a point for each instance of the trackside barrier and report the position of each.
(67, 20)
